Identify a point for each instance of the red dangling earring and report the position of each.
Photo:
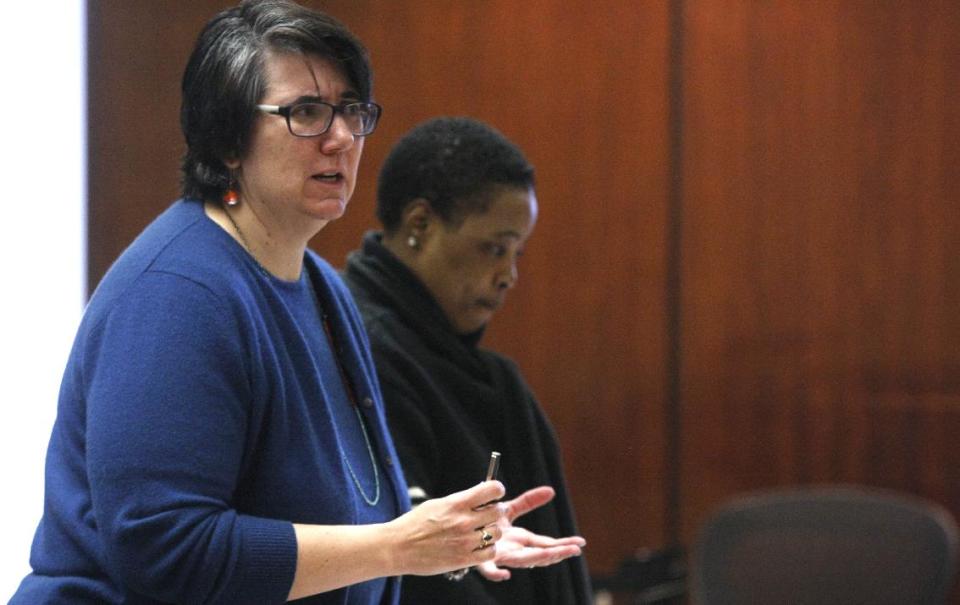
(230, 197)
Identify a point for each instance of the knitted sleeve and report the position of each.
(167, 393)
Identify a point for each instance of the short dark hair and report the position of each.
(224, 80)
(455, 163)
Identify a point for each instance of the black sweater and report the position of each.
(449, 403)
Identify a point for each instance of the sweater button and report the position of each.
(389, 460)
(367, 402)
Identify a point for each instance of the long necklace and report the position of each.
(348, 386)
(373, 464)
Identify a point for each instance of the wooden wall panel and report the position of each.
(821, 248)
(581, 87)
(136, 53)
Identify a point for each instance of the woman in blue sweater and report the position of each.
(220, 435)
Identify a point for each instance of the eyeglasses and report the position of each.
(314, 118)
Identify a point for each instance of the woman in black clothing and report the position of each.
(457, 203)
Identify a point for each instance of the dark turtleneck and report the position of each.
(449, 402)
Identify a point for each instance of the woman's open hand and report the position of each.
(518, 547)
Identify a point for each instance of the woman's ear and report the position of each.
(417, 221)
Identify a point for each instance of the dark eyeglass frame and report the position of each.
(341, 108)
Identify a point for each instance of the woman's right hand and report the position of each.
(448, 533)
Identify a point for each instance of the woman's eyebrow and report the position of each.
(348, 96)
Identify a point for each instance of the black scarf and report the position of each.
(449, 403)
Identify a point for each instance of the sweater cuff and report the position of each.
(268, 570)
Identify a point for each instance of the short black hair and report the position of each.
(224, 80)
(455, 163)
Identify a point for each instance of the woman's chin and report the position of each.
(477, 320)
(329, 209)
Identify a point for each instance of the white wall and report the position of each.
(42, 248)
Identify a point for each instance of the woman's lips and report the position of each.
(490, 304)
(328, 177)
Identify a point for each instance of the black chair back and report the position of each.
(825, 545)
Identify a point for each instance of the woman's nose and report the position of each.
(338, 137)
(508, 277)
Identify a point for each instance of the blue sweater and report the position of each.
(194, 427)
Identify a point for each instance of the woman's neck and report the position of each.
(275, 252)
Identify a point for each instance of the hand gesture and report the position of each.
(453, 532)
(518, 547)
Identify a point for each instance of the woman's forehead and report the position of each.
(510, 213)
(296, 74)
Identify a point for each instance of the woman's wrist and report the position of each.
(394, 557)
